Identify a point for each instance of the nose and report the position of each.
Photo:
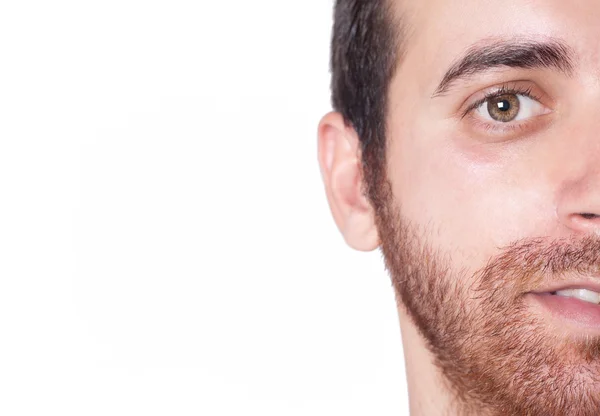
(576, 164)
(578, 206)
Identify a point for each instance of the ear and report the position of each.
(341, 169)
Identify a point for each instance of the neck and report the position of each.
(426, 392)
(427, 389)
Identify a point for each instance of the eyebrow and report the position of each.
(526, 54)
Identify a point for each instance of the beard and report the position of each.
(496, 356)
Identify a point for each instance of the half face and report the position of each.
(494, 165)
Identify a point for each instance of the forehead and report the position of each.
(465, 17)
(439, 31)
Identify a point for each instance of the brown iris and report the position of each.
(504, 108)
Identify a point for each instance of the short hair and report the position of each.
(364, 55)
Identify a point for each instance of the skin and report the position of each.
(468, 191)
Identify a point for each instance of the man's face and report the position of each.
(495, 206)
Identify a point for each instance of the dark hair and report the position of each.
(363, 61)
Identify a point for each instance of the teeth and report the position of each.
(582, 294)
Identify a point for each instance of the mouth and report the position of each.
(584, 295)
(577, 307)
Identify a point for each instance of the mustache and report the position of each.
(526, 263)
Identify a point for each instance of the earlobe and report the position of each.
(339, 159)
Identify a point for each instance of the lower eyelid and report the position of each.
(508, 131)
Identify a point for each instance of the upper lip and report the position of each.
(594, 286)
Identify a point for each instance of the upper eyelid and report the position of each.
(482, 101)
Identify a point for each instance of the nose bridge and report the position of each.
(578, 205)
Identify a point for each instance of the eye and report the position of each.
(508, 107)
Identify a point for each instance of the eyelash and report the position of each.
(527, 92)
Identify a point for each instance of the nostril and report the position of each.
(584, 222)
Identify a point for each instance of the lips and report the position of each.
(577, 306)
(584, 295)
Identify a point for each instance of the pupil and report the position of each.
(504, 105)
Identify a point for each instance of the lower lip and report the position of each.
(573, 310)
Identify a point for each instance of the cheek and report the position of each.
(470, 204)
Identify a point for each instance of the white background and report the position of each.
(165, 243)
